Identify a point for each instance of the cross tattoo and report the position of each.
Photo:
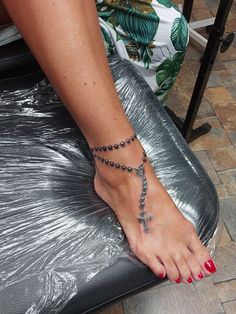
(144, 219)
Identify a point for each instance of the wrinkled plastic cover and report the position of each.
(53, 226)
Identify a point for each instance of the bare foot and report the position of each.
(172, 247)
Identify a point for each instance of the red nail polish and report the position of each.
(200, 275)
(177, 280)
(190, 280)
(161, 275)
(210, 266)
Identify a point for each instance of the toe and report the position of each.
(202, 255)
(183, 267)
(194, 265)
(157, 267)
(171, 269)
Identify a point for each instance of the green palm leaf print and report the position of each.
(166, 3)
(167, 72)
(140, 23)
(179, 33)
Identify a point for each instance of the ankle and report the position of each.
(117, 168)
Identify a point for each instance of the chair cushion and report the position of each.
(16, 60)
(62, 248)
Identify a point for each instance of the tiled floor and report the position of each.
(217, 152)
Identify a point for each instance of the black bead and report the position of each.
(144, 159)
(112, 163)
(98, 157)
(96, 148)
(102, 159)
(110, 147)
(129, 169)
(128, 140)
(104, 148)
(106, 161)
(116, 146)
(123, 167)
(144, 154)
(117, 165)
(132, 138)
(100, 148)
(122, 143)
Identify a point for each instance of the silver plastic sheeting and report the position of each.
(55, 232)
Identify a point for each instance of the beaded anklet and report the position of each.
(143, 217)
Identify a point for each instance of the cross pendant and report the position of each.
(144, 219)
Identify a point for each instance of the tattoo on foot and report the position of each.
(143, 218)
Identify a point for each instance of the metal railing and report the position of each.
(215, 41)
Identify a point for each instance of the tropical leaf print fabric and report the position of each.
(152, 34)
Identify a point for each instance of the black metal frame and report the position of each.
(214, 41)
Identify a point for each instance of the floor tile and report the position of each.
(218, 95)
(221, 78)
(228, 211)
(229, 55)
(215, 79)
(202, 13)
(221, 191)
(231, 65)
(223, 158)
(228, 179)
(232, 137)
(224, 237)
(179, 100)
(170, 299)
(230, 307)
(208, 296)
(114, 309)
(225, 261)
(231, 24)
(226, 290)
(186, 76)
(226, 113)
(215, 138)
(205, 161)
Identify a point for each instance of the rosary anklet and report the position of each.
(143, 218)
(115, 146)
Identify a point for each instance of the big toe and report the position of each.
(202, 254)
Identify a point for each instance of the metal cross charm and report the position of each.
(140, 170)
(144, 219)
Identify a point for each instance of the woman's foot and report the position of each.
(172, 246)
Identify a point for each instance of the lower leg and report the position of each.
(65, 38)
(62, 38)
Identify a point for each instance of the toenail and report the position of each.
(177, 280)
(190, 280)
(161, 275)
(210, 266)
(200, 275)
